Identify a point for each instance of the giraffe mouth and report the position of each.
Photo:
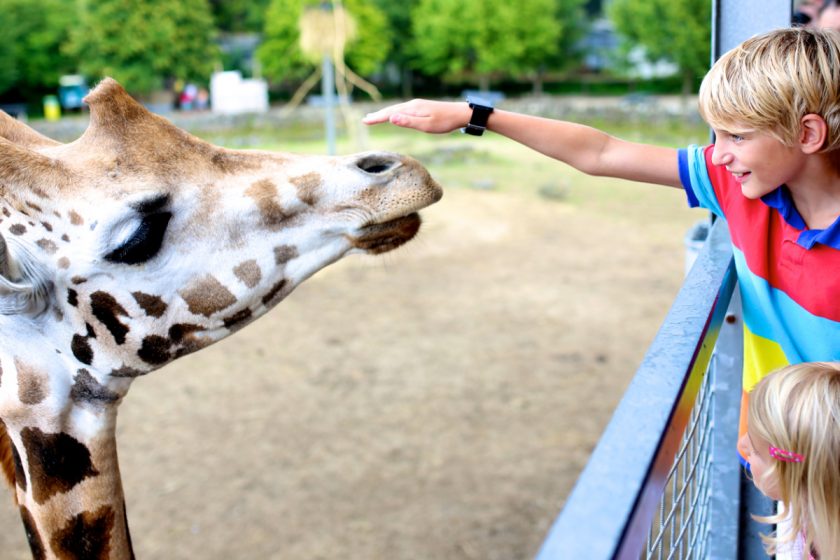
(384, 237)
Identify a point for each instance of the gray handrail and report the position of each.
(611, 508)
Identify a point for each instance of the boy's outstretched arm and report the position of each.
(585, 148)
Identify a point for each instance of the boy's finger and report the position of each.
(376, 117)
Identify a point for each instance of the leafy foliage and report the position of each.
(676, 31)
(31, 59)
(491, 38)
(142, 43)
(239, 16)
(280, 53)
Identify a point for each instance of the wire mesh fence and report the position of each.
(680, 529)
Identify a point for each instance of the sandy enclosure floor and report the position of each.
(433, 403)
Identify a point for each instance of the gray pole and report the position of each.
(328, 93)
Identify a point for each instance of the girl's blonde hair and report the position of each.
(797, 408)
(770, 81)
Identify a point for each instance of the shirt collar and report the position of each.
(781, 200)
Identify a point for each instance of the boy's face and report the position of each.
(757, 160)
(758, 456)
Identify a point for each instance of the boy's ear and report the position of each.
(813, 133)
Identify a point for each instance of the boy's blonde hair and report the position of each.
(797, 408)
(770, 81)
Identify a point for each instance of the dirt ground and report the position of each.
(437, 402)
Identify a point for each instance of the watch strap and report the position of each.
(481, 111)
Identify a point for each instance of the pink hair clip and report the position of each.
(786, 456)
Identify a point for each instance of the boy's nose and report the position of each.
(720, 156)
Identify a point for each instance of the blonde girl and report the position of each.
(793, 447)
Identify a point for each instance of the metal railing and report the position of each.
(665, 476)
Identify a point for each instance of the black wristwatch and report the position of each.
(481, 110)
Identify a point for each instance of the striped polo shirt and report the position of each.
(789, 275)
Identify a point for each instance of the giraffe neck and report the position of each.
(60, 422)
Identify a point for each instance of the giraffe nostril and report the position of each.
(377, 165)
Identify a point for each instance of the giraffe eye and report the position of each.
(145, 242)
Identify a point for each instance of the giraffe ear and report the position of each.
(21, 167)
(18, 133)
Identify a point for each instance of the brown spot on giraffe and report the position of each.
(47, 245)
(207, 296)
(154, 306)
(57, 462)
(36, 544)
(126, 371)
(33, 384)
(81, 349)
(86, 536)
(72, 297)
(18, 229)
(64, 263)
(34, 206)
(65, 238)
(248, 273)
(238, 317)
(264, 193)
(155, 350)
(7, 462)
(285, 253)
(6, 212)
(20, 473)
(108, 310)
(181, 331)
(87, 390)
(78, 280)
(47, 226)
(308, 187)
(75, 218)
(39, 192)
(269, 296)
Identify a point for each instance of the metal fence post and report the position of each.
(726, 367)
(733, 21)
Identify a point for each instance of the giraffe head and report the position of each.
(132, 246)
(139, 243)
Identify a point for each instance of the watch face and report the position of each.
(475, 100)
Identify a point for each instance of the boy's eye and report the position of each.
(736, 138)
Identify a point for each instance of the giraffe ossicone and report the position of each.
(132, 246)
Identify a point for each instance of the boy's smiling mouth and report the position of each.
(740, 176)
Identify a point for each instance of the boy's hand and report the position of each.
(435, 117)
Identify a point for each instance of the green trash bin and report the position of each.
(52, 110)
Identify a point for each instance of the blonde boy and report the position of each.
(773, 173)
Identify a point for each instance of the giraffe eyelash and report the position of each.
(144, 243)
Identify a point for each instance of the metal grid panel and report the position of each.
(681, 528)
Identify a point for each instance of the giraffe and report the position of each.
(135, 245)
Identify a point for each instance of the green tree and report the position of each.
(31, 60)
(490, 39)
(679, 32)
(239, 16)
(280, 54)
(398, 15)
(144, 43)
